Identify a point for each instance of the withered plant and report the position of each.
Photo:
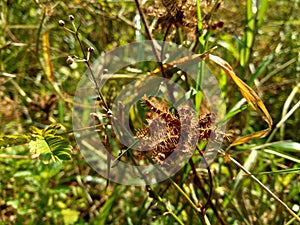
(157, 143)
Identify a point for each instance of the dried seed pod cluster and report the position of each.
(183, 13)
(162, 134)
(167, 132)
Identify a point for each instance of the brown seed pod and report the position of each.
(91, 49)
(154, 107)
(61, 23)
(179, 132)
(163, 131)
(69, 60)
(172, 6)
(71, 17)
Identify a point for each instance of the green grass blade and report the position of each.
(248, 38)
(277, 172)
(261, 68)
(105, 210)
(261, 12)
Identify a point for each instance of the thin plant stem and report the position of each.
(150, 36)
(76, 33)
(158, 198)
(205, 207)
(206, 195)
(236, 163)
(202, 216)
(282, 121)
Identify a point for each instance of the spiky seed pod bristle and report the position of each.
(172, 6)
(163, 136)
(180, 133)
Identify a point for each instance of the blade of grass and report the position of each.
(287, 146)
(286, 107)
(275, 172)
(282, 121)
(282, 155)
(202, 217)
(277, 70)
(157, 197)
(236, 163)
(282, 145)
(262, 8)
(182, 60)
(105, 210)
(200, 27)
(248, 37)
(248, 165)
(233, 113)
(260, 68)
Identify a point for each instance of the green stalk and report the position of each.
(248, 38)
(202, 217)
(157, 197)
(290, 211)
(200, 27)
(200, 74)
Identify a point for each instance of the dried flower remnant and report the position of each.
(167, 132)
(163, 131)
(183, 14)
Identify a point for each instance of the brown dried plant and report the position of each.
(167, 132)
(183, 14)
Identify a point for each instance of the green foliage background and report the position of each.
(70, 192)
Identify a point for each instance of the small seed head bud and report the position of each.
(105, 71)
(91, 49)
(61, 23)
(71, 17)
(109, 113)
(70, 60)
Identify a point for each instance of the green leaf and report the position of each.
(13, 203)
(25, 173)
(278, 171)
(51, 129)
(62, 155)
(70, 216)
(45, 157)
(234, 112)
(50, 146)
(12, 140)
(35, 130)
(227, 42)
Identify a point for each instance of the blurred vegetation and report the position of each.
(37, 88)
